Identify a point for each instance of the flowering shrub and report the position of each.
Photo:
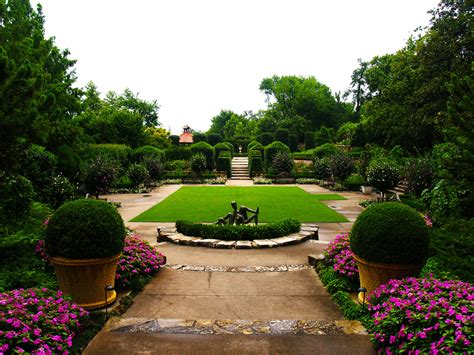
(423, 315)
(38, 321)
(138, 259)
(339, 254)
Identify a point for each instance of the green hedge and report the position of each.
(231, 147)
(306, 155)
(241, 232)
(272, 149)
(207, 150)
(177, 153)
(120, 153)
(147, 151)
(224, 162)
(254, 145)
(222, 147)
(255, 162)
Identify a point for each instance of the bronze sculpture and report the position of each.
(239, 216)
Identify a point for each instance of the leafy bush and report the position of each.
(140, 154)
(16, 196)
(383, 174)
(177, 153)
(283, 135)
(154, 167)
(272, 149)
(293, 142)
(255, 163)
(282, 162)
(306, 181)
(198, 163)
(214, 138)
(255, 146)
(340, 256)
(390, 233)
(118, 153)
(176, 165)
(224, 162)
(69, 162)
(138, 174)
(309, 140)
(239, 232)
(219, 180)
(266, 138)
(99, 174)
(322, 169)
(325, 150)
(208, 152)
(60, 190)
(222, 147)
(354, 182)
(139, 259)
(174, 139)
(306, 155)
(84, 229)
(419, 175)
(231, 148)
(341, 166)
(423, 315)
(38, 321)
(262, 181)
(199, 137)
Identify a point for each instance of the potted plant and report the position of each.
(366, 189)
(84, 241)
(389, 241)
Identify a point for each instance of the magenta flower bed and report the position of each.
(340, 255)
(138, 259)
(423, 316)
(38, 321)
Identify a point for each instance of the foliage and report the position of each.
(220, 147)
(174, 139)
(424, 315)
(272, 149)
(172, 181)
(322, 169)
(261, 181)
(340, 166)
(199, 137)
(339, 254)
(306, 181)
(16, 196)
(390, 233)
(239, 232)
(177, 153)
(383, 174)
(138, 174)
(157, 137)
(154, 167)
(283, 135)
(84, 229)
(141, 153)
(119, 154)
(198, 163)
(419, 175)
(208, 152)
(283, 162)
(38, 321)
(214, 138)
(224, 162)
(218, 122)
(139, 259)
(219, 180)
(178, 165)
(60, 190)
(293, 142)
(324, 136)
(99, 174)
(231, 148)
(325, 150)
(305, 155)
(309, 140)
(354, 182)
(254, 145)
(266, 138)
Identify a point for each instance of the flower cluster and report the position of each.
(40, 250)
(138, 258)
(428, 220)
(38, 321)
(340, 255)
(413, 315)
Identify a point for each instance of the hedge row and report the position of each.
(255, 162)
(272, 149)
(207, 150)
(224, 162)
(241, 232)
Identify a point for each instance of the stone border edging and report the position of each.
(235, 326)
(250, 269)
(308, 231)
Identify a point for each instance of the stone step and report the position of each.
(240, 178)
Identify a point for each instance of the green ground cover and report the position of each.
(207, 204)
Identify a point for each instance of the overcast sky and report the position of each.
(196, 57)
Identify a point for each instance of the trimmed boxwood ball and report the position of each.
(85, 229)
(390, 233)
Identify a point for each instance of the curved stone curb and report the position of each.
(236, 326)
(308, 231)
(275, 268)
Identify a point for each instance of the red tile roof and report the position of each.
(186, 137)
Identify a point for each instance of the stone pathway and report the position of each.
(257, 301)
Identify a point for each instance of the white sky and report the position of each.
(196, 57)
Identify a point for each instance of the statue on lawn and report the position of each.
(239, 216)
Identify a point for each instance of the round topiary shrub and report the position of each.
(390, 233)
(85, 229)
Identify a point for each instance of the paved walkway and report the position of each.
(249, 310)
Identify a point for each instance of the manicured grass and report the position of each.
(207, 204)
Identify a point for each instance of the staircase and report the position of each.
(240, 168)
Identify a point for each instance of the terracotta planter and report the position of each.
(372, 275)
(85, 279)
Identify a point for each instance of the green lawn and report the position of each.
(207, 204)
